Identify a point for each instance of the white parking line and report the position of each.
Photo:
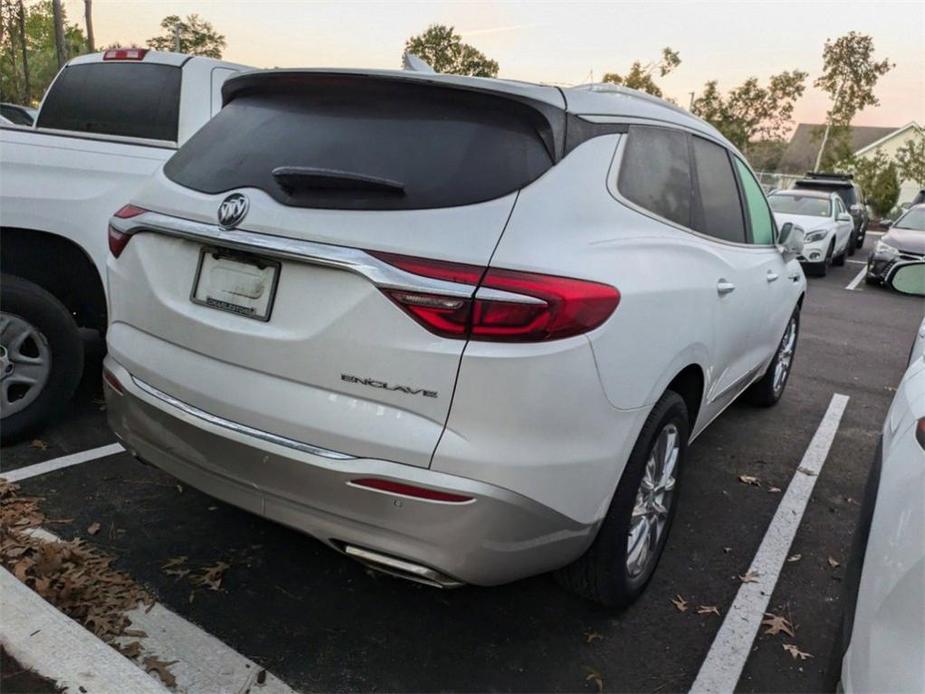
(858, 262)
(853, 284)
(876, 233)
(723, 665)
(25, 473)
(199, 661)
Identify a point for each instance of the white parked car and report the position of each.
(107, 122)
(826, 223)
(450, 326)
(885, 629)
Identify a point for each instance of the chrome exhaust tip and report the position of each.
(401, 568)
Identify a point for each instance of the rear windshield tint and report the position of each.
(128, 99)
(367, 145)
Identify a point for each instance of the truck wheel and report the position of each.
(621, 560)
(41, 357)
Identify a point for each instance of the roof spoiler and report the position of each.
(829, 174)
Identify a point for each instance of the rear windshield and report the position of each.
(366, 145)
(801, 204)
(129, 99)
(913, 219)
(846, 193)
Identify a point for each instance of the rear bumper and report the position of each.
(499, 536)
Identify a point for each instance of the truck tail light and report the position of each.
(125, 54)
(118, 240)
(504, 305)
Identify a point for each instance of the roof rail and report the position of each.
(829, 174)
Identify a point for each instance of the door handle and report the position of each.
(724, 287)
(772, 276)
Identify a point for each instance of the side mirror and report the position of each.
(855, 207)
(843, 217)
(908, 279)
(790, 240)
(886, 223)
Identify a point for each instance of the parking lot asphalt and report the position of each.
(320, 621)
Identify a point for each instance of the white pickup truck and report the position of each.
(107, 122)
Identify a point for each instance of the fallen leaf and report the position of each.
(38, 443)
(794, 557)
(749, 577)
(774, 490)
(137, 633)
(174, 561)
(93, 528)
(748, 479)
(211, 576)
(796, 652)
(776, 624)
(834, 563)
(591, 636)
(131, 650)
(806, 471)
(161, 668)
(180, 488)
(680, 603)
(596, 677)
(708, 609)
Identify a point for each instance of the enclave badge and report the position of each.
(232, 210)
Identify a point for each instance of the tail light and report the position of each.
(920, 432)
(118, 240)
(505, 305)
(110, 379)
(125, 54)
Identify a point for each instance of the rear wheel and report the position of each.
(853, 243)
(770, 388)
(618, 565)
(839, 260)
(41, 357)
(861, 234)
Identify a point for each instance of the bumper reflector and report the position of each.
(411, 490)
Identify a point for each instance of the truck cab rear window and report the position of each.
(124, 99)
(366, 145)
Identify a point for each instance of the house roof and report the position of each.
(912, 125)
(801, 151)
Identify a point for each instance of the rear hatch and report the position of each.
(297, 321)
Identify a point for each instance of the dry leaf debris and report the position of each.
(796, 652)
(777, 624)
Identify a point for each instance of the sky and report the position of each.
(563, 42)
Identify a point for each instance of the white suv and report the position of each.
(461, 329)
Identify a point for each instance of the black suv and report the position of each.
(850, 193)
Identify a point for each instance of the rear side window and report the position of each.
(126, 99)
(758, 211)
(656, 174)
(720, 208)
(366, 144)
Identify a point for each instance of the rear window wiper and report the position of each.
(291, 178)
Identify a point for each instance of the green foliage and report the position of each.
(442, 48)
(885, 191)
(865, 169)
(752, 111)
(40, 50)
(197, 37)
(640, 76)
(910, 160)
(849, 75)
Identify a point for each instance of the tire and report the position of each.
(51, 355)
(862, 234)
(816, 269)
(767, 391)
(603, 573)
(873, 281)
(839, 260)
(852, 243)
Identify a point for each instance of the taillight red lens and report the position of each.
(920, 432)
(118, 240)
(411, 490)
(113, 382)
(562, 306)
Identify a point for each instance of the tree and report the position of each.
(196, 37)
(849, 75)
(442, 48)
(866, 170)
(58, 18)
(88, 22)
(36, 36)
(884, 193)
(640, 76)
(750, 111)
(910, 160)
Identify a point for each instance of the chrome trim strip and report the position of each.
(401, 568)
(352, 260)
(240, 428)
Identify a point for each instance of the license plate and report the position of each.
(236, 282)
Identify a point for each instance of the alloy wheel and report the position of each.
(25, 364)
(784, 357)
(654, 497)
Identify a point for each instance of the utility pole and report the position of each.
(691, 107)
(176, 37)
(88, 20)
(60, 48)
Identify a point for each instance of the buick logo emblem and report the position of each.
(232, 210)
